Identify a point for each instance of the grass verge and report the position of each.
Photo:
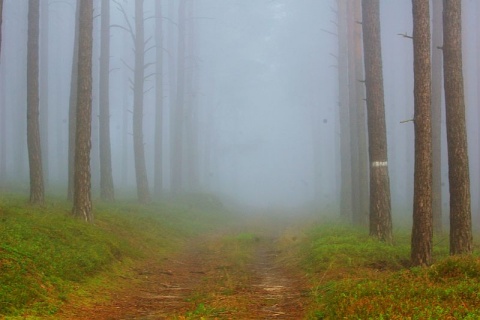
(48, 258)
(357, 277)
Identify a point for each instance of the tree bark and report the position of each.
(363, 174)
(458, 171)
(380, 207)
(106, 178)
(43, 92)
(343, 105)
(82, 204)
(33, 128)
(72, 109)
(178, 112)
(143, 193)
(422, 231)
(158, 163)
(437, 39)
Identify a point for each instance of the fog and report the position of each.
(262, 96)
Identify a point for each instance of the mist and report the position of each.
(261, 123)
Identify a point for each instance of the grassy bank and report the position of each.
(48, 258)
(356, 277)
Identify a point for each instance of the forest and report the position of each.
(239, 159)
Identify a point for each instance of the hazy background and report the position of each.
(265, 92)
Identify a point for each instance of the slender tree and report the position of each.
(138, 88)
(437, 39)
(82, 204)
(422, 231)
(380, 207)
(361, 216)
(72, 109)
(343, 105)
(178, 111)
(158, 163)
(106, 178)
(1, 20)
(33, 128)
(461, 241)
(43, 87)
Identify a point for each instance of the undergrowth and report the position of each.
(47, 257)
(357, 277)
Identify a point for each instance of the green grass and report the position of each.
(357, 277)
(46, 256)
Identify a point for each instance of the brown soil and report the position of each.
(205, 282)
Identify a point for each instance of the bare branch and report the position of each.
(405, 35)
(409, 120)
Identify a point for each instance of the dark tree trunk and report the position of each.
(158, 163)
(437, 39)
(82, 204)
(143, 193)
(72, 109)
(380, 208)
(178, 112)
(343, 105)
(106, 178)
(33, 128)
(458, 172)
(422, 231)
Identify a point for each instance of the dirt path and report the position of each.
(212, 278)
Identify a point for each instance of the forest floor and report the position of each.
(231, 274)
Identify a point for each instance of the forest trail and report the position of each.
(227, 275)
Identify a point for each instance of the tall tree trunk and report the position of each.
(106, 178)
(437, 39)
(380, 207)
(343, 105)
(158, 163)
(353, 115)
(363, 195)
(72, 109)
(143, 193)
(422, 231)
(177, 158)
(478, 69)
(458, 172)
(191, 127)
(33, 129)
(82, 203)
(44, 102)
(172, 86)
(1, 20)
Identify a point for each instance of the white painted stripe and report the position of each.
(376, 164)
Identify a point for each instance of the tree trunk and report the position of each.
(43, 93)
(343, 105)
(33, 129)
(158, 163)
(478, 71)
(143, 193)
(380, 207)
(422, 231)
(191, 127)
(106, 178)
(82, 204)
(363, 174)
(172, 88)
(178, 112)
(72, 109)
(437, 39)
(1, 20)
(458, 172)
